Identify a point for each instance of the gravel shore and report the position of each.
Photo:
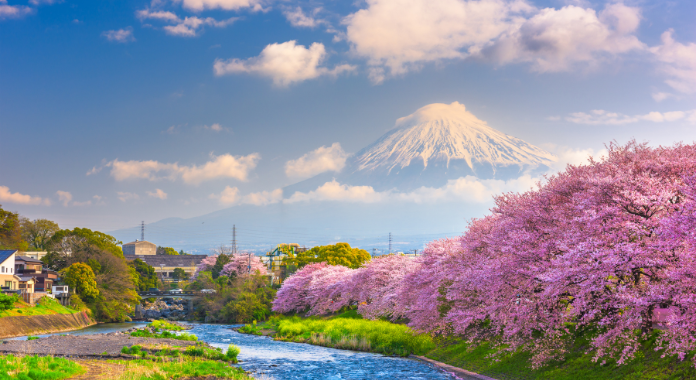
(84, 345)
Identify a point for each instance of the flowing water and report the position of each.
(268, 359)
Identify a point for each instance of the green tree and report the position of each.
(11, 231)
(64, 242)
(81, 278)
(147, 277)
(37, 233)
(222, 259)
(167, 251)
(337, 254)
(181, 252)
(180, 274)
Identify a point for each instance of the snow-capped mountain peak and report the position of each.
(446, 132)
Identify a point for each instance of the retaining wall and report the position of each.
(43, 324)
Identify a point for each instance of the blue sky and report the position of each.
(113, 112)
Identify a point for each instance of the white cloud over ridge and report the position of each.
(186, 27)
(320, 160)
(602, 117)
(397, 36)
(223, 166)
(285, 63)
(121, 36)
(7, 196)
(230, 196)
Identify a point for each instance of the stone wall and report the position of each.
(43, 324)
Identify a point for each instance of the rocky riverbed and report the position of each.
(171, 309)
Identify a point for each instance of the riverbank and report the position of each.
(43, 324)
(124, 355)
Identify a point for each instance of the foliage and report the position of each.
(337, 254)
(243, 264)
(250, 328)
(188, 367)
(7, 301)
(80, 277)
(37, 368)
(76, 303)
(45, 306)
(65, 241)
(236, 300)
(167, 251)
(10, 231)
(180, 274)
(164, 335)
(165, 325)
(33, 337)
(232, 352)
(206, 265)
(356, 334)
(38, 232)
(146, 275)
(220, 262)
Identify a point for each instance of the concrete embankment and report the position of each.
(43, 324)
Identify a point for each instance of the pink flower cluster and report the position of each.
(205, 265)
(240, 265)
(605, 247)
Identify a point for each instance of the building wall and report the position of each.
(10, 280)
(33, 255)
(139, 248)
(7, 266)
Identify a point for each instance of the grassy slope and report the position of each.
(577, 365)
(147, 369)
(46, 306)
(34, 367)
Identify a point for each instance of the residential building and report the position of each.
(34, 255)
(27, 283)
(8, 280)
(43, 277)
(139, 248)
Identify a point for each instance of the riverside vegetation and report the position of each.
(592, 272)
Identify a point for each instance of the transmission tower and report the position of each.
(234, 239)
(142, 231)
(390, 241)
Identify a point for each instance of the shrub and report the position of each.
(7, 301)
(32, 337)
(232, 352)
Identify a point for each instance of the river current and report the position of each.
(267, 359)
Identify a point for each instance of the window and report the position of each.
(3, 269)
(8, 284)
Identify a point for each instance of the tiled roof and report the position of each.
(5, 254)
(27, 259)
(179, 261)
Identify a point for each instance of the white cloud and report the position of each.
(223, 166)
(157, 194)
(320, 160)
(7, 196)
(47, 2)
(556, 39)
(64, 197)
(120, 35)
(397, 36)
(602, 117)
(125, 196)
(13, 11)
(286, 63)
(569, 156)
(298, 18)
(678, 62)
(214, 127)
(186, 27)
(334, 191)
(660, 96)
(230, 196)
(228, 5)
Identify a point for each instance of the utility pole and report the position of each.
(374, 251)
(142, 231)
(249, 264)
(234, 239)
(415, 252)
(390, 241)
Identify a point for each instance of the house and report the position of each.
(43, 277)
(34, 255)
(26, 283)
(139, 248)
(8, 280)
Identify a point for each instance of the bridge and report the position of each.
(170, 294)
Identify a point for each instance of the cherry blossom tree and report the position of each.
(205, 265)
(242, 264)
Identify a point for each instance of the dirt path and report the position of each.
(99, 369)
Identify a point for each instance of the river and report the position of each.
(266, 358)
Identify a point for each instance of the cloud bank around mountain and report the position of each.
(320, 160)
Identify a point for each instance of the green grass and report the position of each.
(32, 337)
(184, 368)
(164, 334)
(45, 306)
(199, 350)
(165, 325)
(252, 329)
(577, 365)
(36, 368)
(348, 331)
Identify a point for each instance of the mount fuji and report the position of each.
(437, 143)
